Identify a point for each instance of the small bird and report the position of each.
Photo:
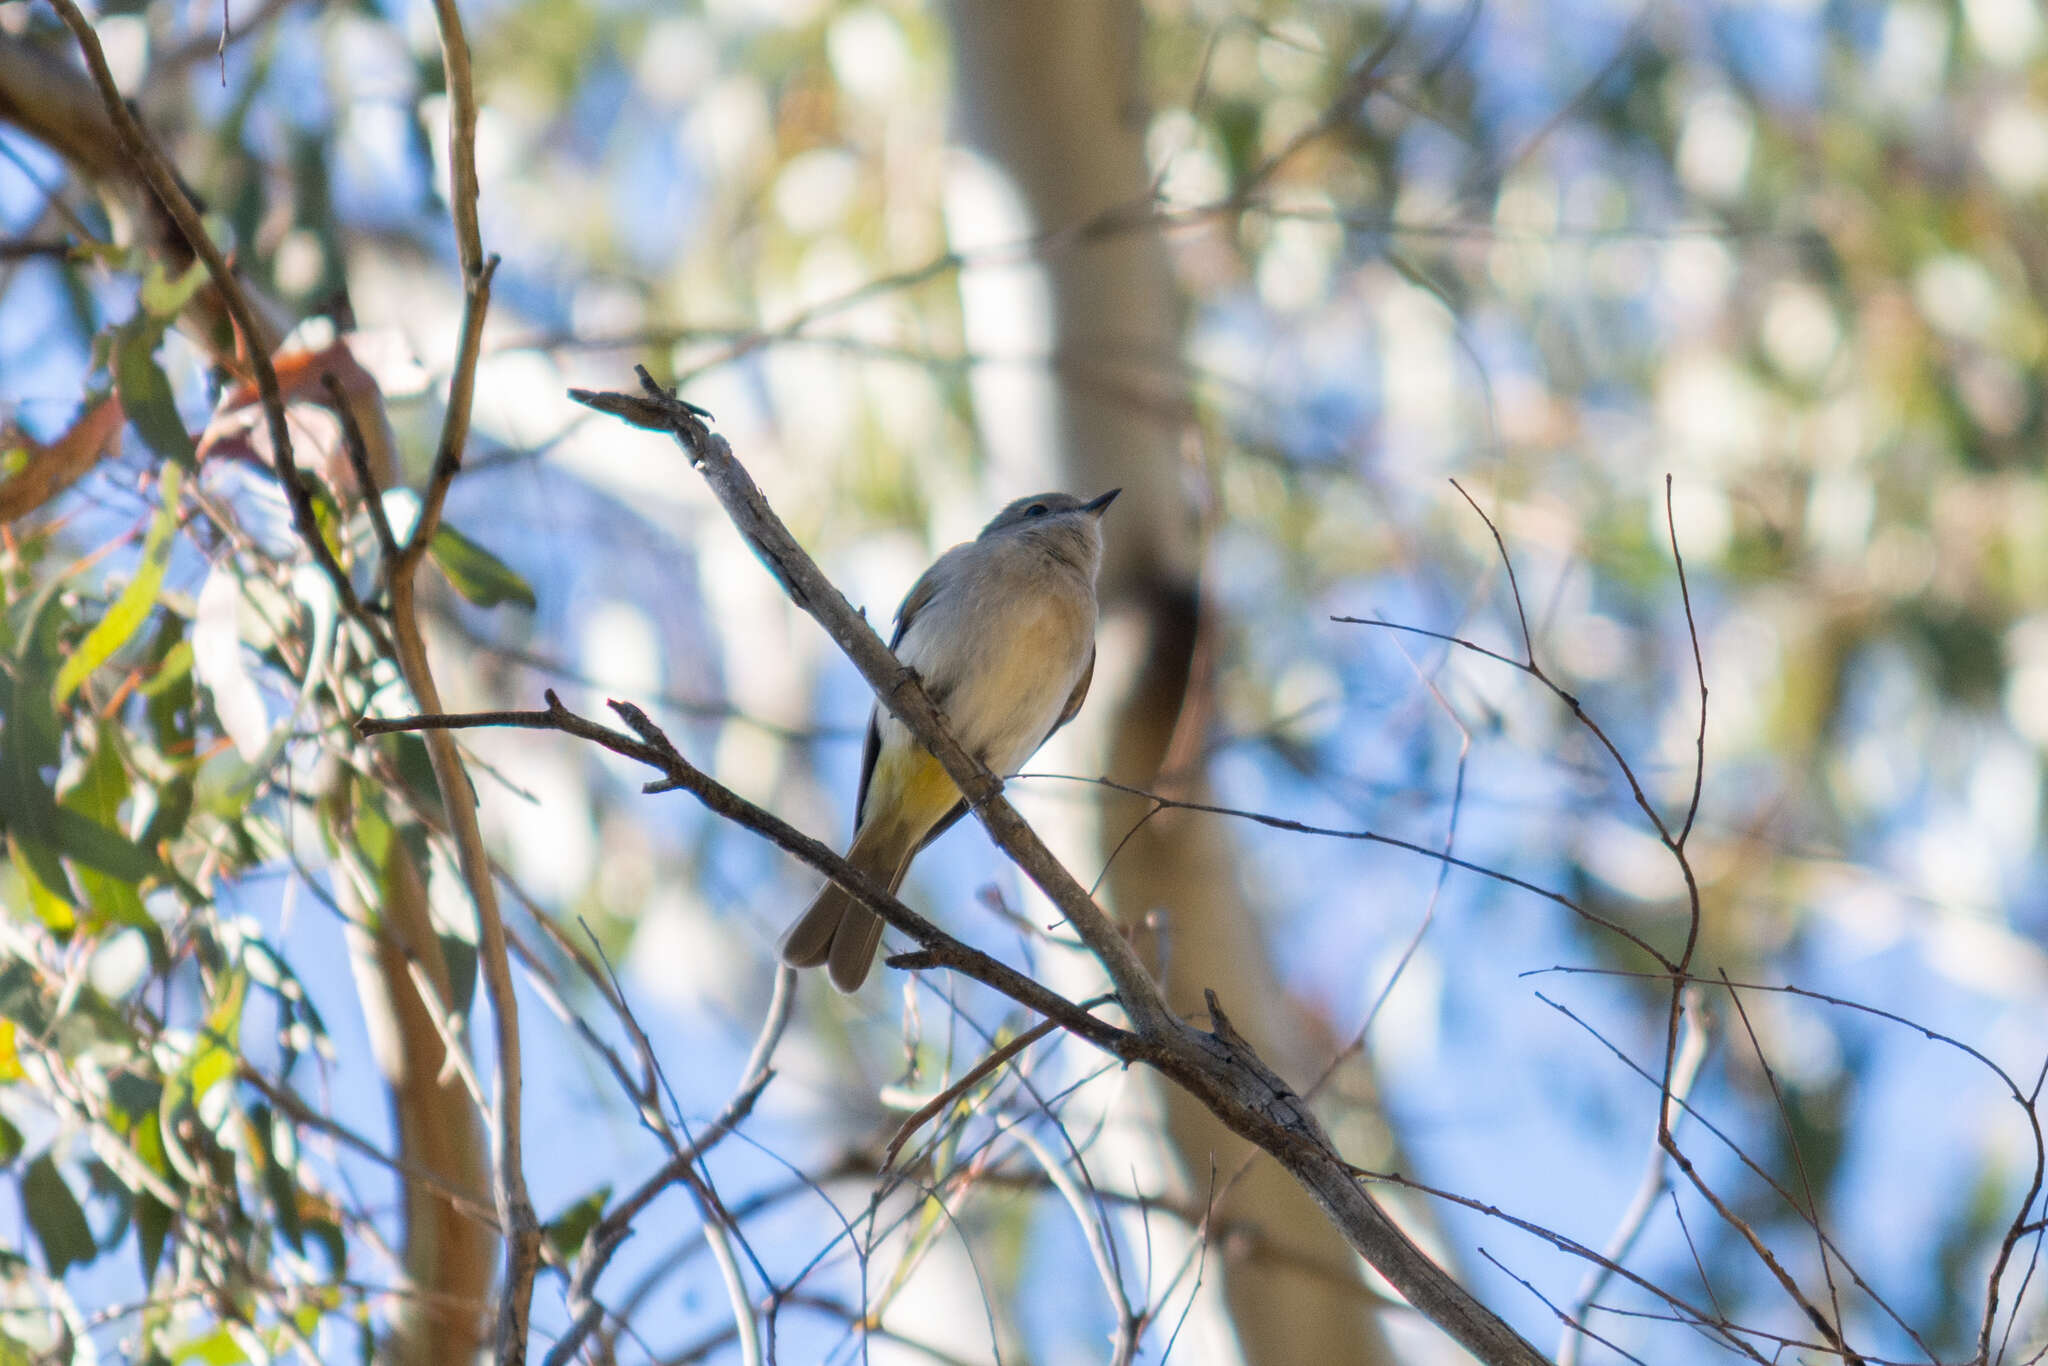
(1002, 632)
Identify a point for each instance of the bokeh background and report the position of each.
(1786, 254)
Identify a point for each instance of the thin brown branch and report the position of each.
(476, 301)
(968, 1081)
(1699, 667)
(897, 687)
(1217, 1066)
(515, 1206)
(1649, 1191)
(1575, 1329)
(611, 1231)
(358, 450)
(1724, 1331)
(936, 948)
(1668, 1142)
(1365, 837)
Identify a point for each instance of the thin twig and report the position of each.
(1649, 1191)
(256, 339)
(896, 687)
(358, 451)
(968, 1081)
(936, 948)
(1217, 1066)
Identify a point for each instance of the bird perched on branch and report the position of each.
(1002, 632)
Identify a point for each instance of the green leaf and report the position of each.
(132, 1100)
(477, 574)
(10, 1142)
(54, 1214)
(133, 607)
(145, 392)
(218, 1348)
(152, 1228)
(327, 1234)
(30, 739)
(21, 997)
(171, 809)
(86, 842)
(164, 297)
(175, 668)
(50, 894)
(98, 796)
(567, 1230)
(278, 1146)
(459, 953)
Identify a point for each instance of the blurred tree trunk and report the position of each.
(1050, 94)
(450, 1252)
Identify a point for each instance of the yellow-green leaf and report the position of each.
(477, 574)
(133, 607)
(165, 297)
(145, 391)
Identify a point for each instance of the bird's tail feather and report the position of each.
(838, 931)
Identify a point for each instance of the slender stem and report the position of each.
(897, 687)
(1217, 1067)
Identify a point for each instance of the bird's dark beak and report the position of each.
(1101, 505)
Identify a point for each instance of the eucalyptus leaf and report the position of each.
(476, 573)
(145, 391)
(567, 1230)
(54, 1214)
(137, 599)
(164, 296)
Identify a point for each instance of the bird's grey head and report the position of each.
(1059, 523)
(1048, 510)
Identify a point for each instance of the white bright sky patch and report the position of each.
(1714, 148)
(868, 53)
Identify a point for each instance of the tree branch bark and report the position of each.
(1218, 1067)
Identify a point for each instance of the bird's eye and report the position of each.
(1036, 510)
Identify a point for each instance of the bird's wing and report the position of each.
(914, 602)
(869, 752)
(1076, 697)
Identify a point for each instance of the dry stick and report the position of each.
(936, 947)
(515, 1206)
(1574, 1330)
(1130, 1323)
(1218, 1067)
(967, 1082)
(1721, 1207)
(1692, 1053)
(1727, 1333)
(1676, 972)
(897, 686)
(1667, 1137)
(1699, 668)
(611, 1230)
(358, 451)
(1365, 837)
(1811, 1212)
(1736, 1149)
